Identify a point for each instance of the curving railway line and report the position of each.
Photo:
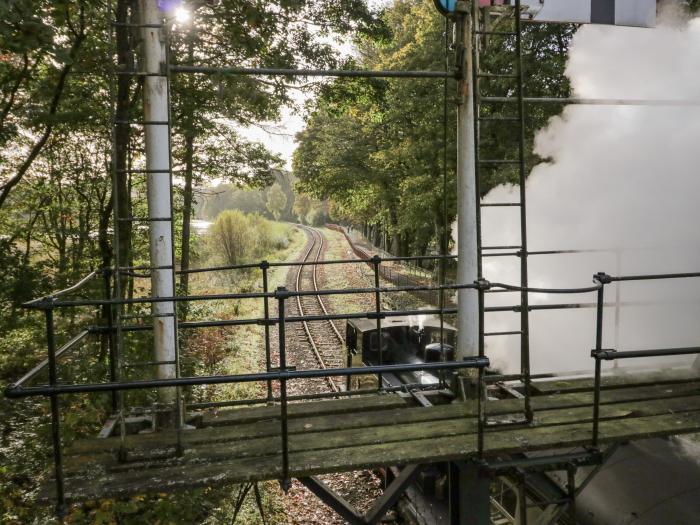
(314, 343)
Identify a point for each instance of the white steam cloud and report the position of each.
(625, 179)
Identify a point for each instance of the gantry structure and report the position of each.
(483, 427)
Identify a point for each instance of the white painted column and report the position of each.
(467, 271)
(155, 108)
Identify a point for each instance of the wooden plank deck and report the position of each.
(372, 431)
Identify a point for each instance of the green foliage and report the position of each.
(242, 238)
(375, 147)
(276, 201)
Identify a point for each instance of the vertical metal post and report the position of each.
(596, 355)
(481, 393)
(264, 266)
(107, 274)
(522, 500)
(157, 140)
(281, 296)
(571, 489)
(55, 417)
(469, 494)
(467, 261)
(618, 293)
(524, 299)
(376, 260)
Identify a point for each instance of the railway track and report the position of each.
(321, 342)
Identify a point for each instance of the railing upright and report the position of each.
(265, 266)
(376, 261)
(602, 279)
(55, 416)
(109, 309)
(281, 296)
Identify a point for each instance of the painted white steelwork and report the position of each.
(155, 109)
(467, 256)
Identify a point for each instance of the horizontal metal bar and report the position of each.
(499, 161)
(501, 247)
(148, 363)
(144, 219)
(593, 101)
(317, 395)
(515, 377)
(13, 391)
(512, 332)
(142, 123)
(139, 74)
(205, 70)
(38, 368)
(127, 24)
(131, 170)
(655, 277)
(613, 355)
(498, 204)
(496, 75)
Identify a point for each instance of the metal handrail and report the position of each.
(82, 282)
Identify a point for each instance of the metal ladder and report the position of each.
(483, 117)
(121, 271)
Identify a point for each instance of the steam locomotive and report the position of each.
(404, 339)
(647, 482)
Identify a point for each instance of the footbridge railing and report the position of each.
(282, 374)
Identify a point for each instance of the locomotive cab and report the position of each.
(403, 340)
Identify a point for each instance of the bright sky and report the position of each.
(279, 136)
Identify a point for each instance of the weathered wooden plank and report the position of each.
(264, 428)
(335, 406)
(619, 380)
(270, 428)
(375, 455)
(306, 439)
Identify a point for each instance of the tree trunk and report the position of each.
(122, 134)
(186, 217)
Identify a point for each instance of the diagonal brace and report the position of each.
(381, 505)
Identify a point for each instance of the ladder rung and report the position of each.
(143, 219)
(128, 24)
(498, 33)
(142, 316)
(132, 268)
(125, 170)
(142, 123)
(502, 254)
(139, 74)
(501, 247)
(499, 161)
(513, 332)
(497, 119)
(499, 204)
(496, 75)
(148, 363)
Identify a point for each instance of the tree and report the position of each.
(276, 201)
(376, 147)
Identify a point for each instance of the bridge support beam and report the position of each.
(469, 494)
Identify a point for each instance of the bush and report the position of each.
(242, 238)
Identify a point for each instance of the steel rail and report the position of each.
(314, 237)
